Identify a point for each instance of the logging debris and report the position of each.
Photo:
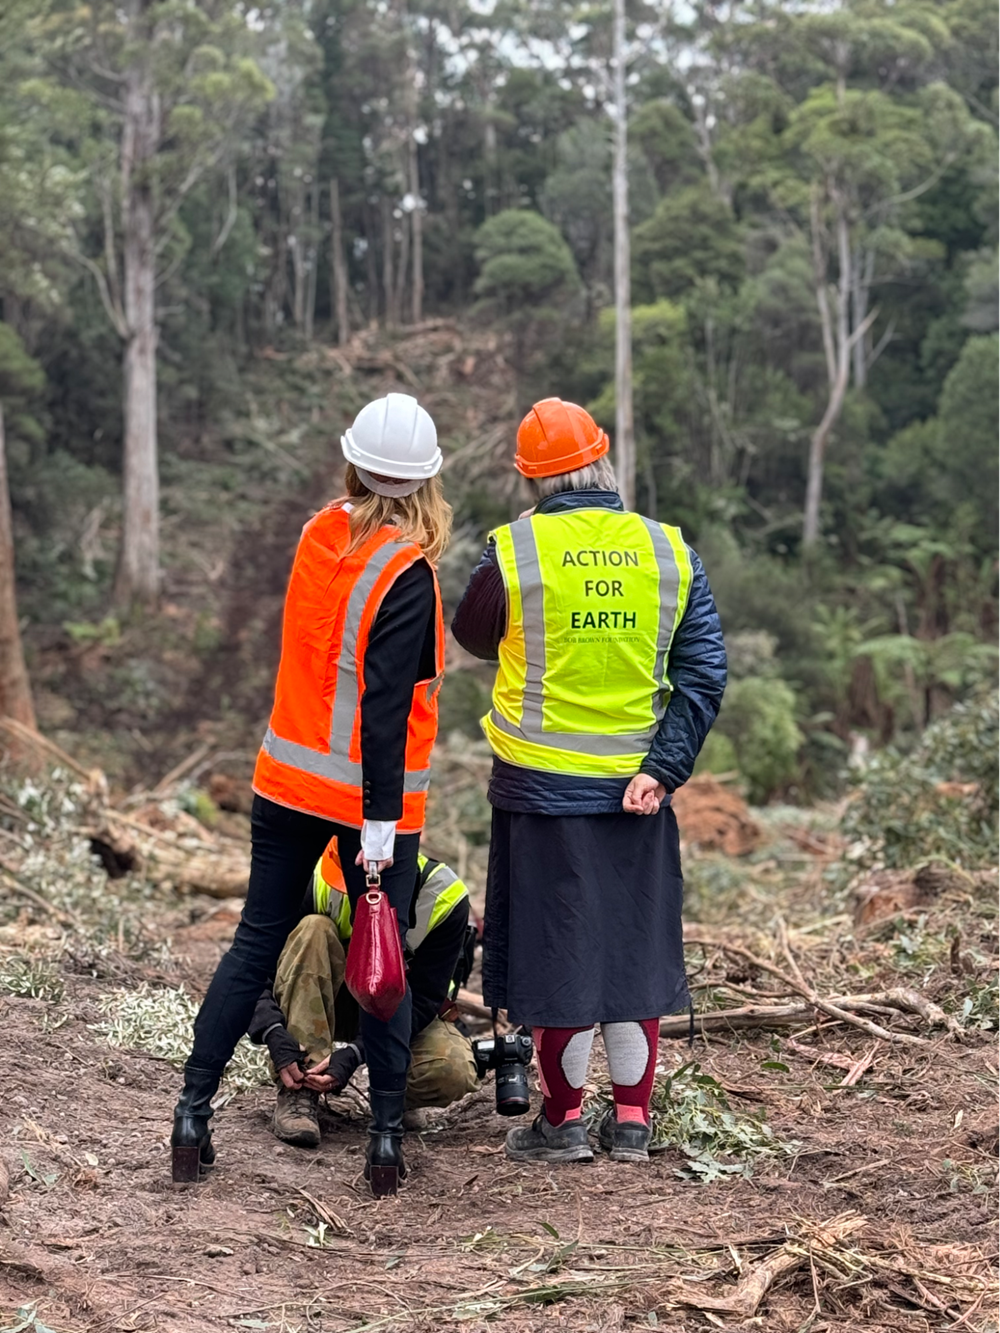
(714, 817)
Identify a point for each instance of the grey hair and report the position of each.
(599, 476)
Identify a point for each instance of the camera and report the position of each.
(510, 1056)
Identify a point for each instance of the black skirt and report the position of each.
(583, 918)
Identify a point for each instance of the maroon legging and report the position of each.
(563, 1055)
(632, 1050)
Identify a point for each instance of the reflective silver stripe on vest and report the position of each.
(443, 877)
(670, 580)
(336, 766)
(600, 744)
(529, 578)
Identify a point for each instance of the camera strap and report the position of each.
(494, 1012)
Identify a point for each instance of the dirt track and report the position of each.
(114, 1246)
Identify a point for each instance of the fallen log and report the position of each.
(217, 876)
(42, 745)
(796, 1013)
(188, 858)
(798, 986)
(746, 1016)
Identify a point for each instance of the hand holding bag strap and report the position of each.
(376, 972)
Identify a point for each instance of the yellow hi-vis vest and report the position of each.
(593, 599)
(440, 890)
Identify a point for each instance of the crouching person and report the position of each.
(307, 1007)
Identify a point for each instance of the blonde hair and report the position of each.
(423, 517)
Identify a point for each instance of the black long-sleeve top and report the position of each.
(400, 652)
(697, 668)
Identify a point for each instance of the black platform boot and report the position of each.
(191, 1142)
(384, 1165)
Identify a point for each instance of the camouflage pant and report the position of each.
(319, 1009)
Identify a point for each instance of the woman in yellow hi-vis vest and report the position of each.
(611, 672)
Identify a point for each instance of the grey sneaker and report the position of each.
(626, 1142)
(542, 1142)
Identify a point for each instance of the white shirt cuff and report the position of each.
(378, 837)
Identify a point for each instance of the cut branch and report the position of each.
(807, 992)
(755, 1283)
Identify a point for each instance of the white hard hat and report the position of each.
(393, 437)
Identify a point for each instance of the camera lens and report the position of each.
(512, 1088)
(510, 1056)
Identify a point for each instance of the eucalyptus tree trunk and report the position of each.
(624, 430)
(839, 342)
(417, 223)
(864, 272)
(411, 175)
(402, 269)
(15, 689)
(297, 245)
(491, 189)
(312, 260)
(138, 575)
(338, 264)
(371, 266)
(388, 285)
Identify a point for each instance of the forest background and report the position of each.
(224, 227)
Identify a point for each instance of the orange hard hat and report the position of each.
(558, 437)
(331, 869)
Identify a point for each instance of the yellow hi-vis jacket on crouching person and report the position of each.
(594, 598)
(437, 891)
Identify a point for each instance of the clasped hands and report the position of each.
(643, 795)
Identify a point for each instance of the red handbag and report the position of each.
(376, 972)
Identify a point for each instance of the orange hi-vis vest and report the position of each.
(311, 756)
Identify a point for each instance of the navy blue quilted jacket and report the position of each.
(697, 670)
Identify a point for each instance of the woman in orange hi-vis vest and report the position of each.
(347, 753)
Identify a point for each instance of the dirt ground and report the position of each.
(95, 1238)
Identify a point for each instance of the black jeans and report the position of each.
(286, 846)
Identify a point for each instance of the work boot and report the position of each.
(296, 1116)
(625, 1140)
(191, 1148)
(384, 1165)
(542, 1142)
